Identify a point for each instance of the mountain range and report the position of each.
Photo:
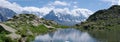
(62, 16)
(68, 18)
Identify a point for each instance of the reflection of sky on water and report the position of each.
(65, 35)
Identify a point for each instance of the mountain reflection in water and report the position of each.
(65, 35)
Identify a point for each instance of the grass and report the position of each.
(3, 34)
(39, 29)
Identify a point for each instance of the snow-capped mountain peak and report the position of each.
(68, 17)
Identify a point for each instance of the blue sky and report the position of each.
(45, 6)
(93, 5)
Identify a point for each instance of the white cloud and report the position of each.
(119, 2)
(75, 6)
(65, 11)
(18, 9)
(59, 3)
(79, 11)
(31, 9)
(113, 2)
(38, 11)
(75, 2)
(15, 7)
(74, 12)
(44, 10)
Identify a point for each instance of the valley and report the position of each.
(32, 24)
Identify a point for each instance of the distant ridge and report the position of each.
(5, 14)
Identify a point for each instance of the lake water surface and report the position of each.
(65, 35)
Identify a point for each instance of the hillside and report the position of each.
(107, 19)
(103, 24)
(28, 26)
